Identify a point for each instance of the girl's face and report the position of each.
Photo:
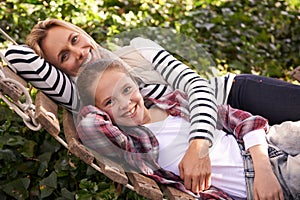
(118, 95)
(66, 49)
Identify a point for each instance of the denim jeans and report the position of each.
(249, 172)
(284, 153)
(287, 170)
(276, 100)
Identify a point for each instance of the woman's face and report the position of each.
(66, 49)
(118, 95)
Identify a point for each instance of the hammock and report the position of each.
(43, 113)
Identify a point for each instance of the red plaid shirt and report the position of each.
(136, 148)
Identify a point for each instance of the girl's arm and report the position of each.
(240, 123)
(251, 130)
(266, 185)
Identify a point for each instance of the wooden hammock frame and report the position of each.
(46, 115)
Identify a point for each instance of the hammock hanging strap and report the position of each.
(25, 108)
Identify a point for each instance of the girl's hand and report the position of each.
(266, 185)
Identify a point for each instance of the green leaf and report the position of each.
(12, 140)
(28, 148)
(62, 166)
(7, 155)
(48, 185)
(86, 184)
(66, 194)
(84, 196)
(44, 160)
(17, 188)
(28, 167)
(50, 146)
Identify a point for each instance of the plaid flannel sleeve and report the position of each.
(97, 133)
(136, 149)
(239, 122)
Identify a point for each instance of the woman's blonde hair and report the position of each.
(40, 30)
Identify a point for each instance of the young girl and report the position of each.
(116, 92)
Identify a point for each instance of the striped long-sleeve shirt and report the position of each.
(201, 95)
(42, 75)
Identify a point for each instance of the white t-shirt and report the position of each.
(226, 160)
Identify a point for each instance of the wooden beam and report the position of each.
(174, 194)
(45, 106)
(145, 186)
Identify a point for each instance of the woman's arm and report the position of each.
(202, 102)
(44, 76)
(195, 167)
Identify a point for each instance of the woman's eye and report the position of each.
(64, 57)
(74, 39)
(109, 102)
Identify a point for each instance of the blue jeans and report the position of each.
(284, 153)
(287, 170)
(271, 98)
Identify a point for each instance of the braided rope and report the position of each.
(26, 109)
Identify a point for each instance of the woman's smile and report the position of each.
(88, 59)
(70, 50)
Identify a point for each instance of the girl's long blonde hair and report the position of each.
(88, 79)
(40, 30)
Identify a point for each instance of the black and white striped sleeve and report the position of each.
(202, 102)
(44, 76)
(154, 91)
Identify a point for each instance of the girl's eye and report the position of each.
(127, 90)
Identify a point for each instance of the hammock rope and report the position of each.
(26, 109)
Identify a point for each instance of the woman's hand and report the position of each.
(195, 167)
(266, 185)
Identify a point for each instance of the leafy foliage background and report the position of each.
(242, 36)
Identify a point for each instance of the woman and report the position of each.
(117, 94)
(259, 95)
